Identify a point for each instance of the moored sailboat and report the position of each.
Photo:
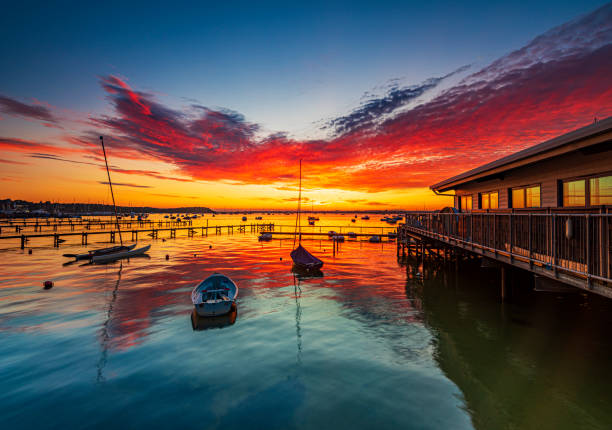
(302, 259)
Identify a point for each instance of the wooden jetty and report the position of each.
(11, 226)
(570, 248)
(152, 232)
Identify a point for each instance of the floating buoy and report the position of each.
(167, 257)
(30, 251)
(48, 285)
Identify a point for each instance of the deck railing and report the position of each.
(576, 244)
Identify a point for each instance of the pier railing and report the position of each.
(577, 245)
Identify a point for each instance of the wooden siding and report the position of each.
(546, 173)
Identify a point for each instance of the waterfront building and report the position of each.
(546, 209)
(570, 173)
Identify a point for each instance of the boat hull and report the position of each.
(213, 309)
(107, 258)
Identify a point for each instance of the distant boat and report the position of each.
(352, 219)
(244, 218)
(375, 239)
(311, 222)
(302, 259)
(215, 295)
(365, 217)
(258, 217)
(338, 238)
(265, 237)
(352, 234)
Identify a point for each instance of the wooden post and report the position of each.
(588, 251)
(554, 243)
(503, 283)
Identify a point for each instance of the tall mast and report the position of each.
(298, 227)
(110, 184)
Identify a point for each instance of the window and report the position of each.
(526, 197)
(518, 198)
(466, 203)
(489, 200)
(600, 190)
(532, 197)
(574, 193)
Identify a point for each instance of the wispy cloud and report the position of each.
(125, 184)
(34, 111)
(374, 108)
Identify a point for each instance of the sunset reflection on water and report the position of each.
(365, 343)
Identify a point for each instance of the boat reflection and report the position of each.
(205, 323)
(301, 273)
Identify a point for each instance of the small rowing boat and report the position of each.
(214, 295)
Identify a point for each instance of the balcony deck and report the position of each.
(570, 248)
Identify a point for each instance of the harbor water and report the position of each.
(372, 341)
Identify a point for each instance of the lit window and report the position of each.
(484, 201)
(494, 200)
(518, 198)
(532, 199)
(489, 200)
(600, 190)
(526, 197)
(466, 203)
(574, 193)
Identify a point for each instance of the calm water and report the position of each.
(373, 343)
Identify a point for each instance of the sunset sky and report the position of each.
(214, 104)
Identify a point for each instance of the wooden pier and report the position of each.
(572, 249)
(152, 232)
(154, 228)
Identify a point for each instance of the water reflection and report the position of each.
(373, 343)
(220, 321)
(540, 361)
(105, 333)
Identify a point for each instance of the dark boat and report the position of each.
(302, 259)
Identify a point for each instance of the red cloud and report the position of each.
(556, 83)
(465, 126)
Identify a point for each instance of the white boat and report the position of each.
(106, 258)
(103, 251)
(214, 295)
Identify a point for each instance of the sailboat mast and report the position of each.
(110, 184)
(300, 206)
(298, 230)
